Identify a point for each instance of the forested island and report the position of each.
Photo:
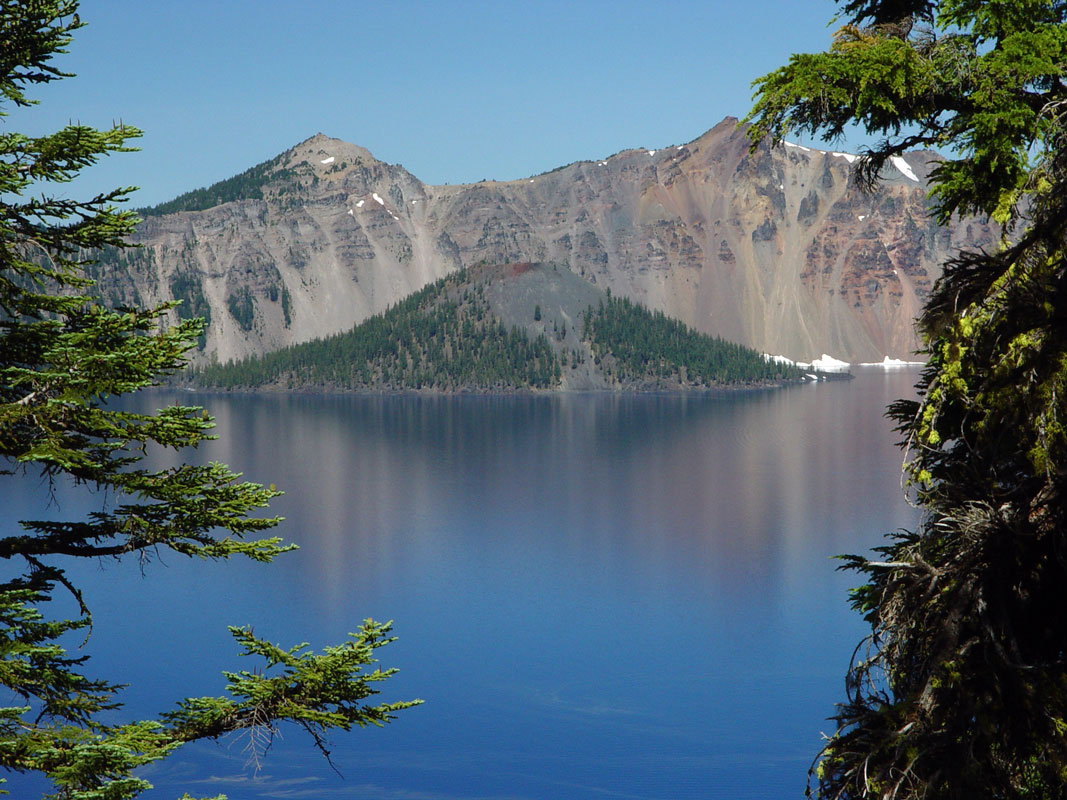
(505, 328)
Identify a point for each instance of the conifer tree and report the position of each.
(62, 355)
(961, 691)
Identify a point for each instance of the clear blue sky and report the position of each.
(456, 90)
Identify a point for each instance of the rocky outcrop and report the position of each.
(776, 248)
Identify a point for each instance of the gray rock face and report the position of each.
(776, 249)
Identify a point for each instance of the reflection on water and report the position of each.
(596, 595)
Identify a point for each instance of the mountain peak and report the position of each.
(321, 148)
(727, 128)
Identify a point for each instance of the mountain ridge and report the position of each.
(774, 248)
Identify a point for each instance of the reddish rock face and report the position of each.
(775, 248)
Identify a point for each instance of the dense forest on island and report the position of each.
(430, 340)
(447, 337)
(644, 343)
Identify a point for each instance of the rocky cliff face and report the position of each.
(776, 249)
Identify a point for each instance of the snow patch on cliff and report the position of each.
(779, 359)
(905, 168)
(892, 363)
(826, 363)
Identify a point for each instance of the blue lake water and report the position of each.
(597, 596)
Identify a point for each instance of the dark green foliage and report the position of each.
(976, 84)
(765, 232)
(961, 691)
(887, 12)
(429, 340)
(648, 345)
(63, 355)
(187, 287)
(809, 207)
(247, 185)
(242, 307)
(287, 305)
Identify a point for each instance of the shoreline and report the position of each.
(639, 389)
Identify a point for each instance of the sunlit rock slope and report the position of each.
(775, 248)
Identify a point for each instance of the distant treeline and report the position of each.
(247, 185)
(650, 345)
(429, 341)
